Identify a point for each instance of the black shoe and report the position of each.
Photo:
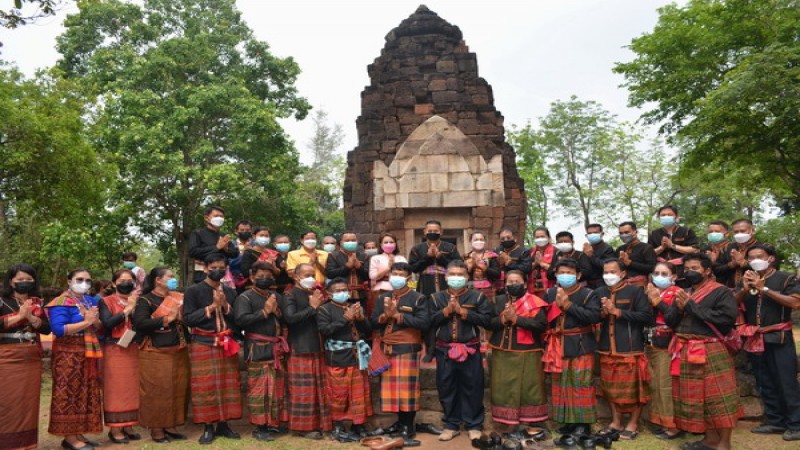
(161, 440)
(342, 435)
(766, 428)
(225, 431)
(176, 436)
(604, 441)
(408, 440)
(208, 435)
(132, 436)
(262, 435)
(566, 441)
(567, 428)
(427, 428)
(666, 436)
(393, 428)
(516, 435)
(791, 435)
(587, 442)
(582, 430)
(277, 430)
(91, 443)
(123, 440)
(428, 358)
(69, 446)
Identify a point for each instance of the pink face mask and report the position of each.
(388, 247)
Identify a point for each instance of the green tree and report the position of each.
(185, 101)
(15, 17)
(538, 181)
(724, 76)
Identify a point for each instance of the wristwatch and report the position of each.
(764, 289)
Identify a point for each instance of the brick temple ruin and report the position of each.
(431, 144)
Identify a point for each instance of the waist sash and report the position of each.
(222, 339)
(553, 358)
(280, 346)
(459, 351)
(755, 335)
(362, 350)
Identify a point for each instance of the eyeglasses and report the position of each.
(82, 280)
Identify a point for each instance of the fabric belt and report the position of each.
(695, 353)
(222, 339)
(22, 336)
(553, 358)
(459, 351)
(280, 346)
(362, 349)
(755, 335)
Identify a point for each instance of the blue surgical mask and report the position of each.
(456, 282)
(662, 282)
(283, 247)
(341, 297)
(715, 238)
(329, 247)
(398, 282)
(350, 246)
(172, 284)
(263, 241)
(667, 221)
(594, 238)
(129, 264)
(567, 279)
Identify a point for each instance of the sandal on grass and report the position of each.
(628, 435)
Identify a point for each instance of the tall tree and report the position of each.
(185, 102)
(724, 76)
(532, 169)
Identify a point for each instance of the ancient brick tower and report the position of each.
(430, 142)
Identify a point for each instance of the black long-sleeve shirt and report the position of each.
(195, 300)
(491, 273)
(333, 325)
(627, 330)
(145, 325)
(110, 321)
(420, 261)
(584, 312)
(455, 329)
(601, 253)
(506, 337)
(718, 307)
(643, 258)
(584, 264)
(763, 311)
(203, 243)
(415, 311)
(301, 319)
(682, 236)
(248, 312)
(520, 259)
(6, 309)
(336, 267)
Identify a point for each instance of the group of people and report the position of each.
(663, 318)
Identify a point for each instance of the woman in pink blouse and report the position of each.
(380, 265)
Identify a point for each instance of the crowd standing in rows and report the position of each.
(665, 318)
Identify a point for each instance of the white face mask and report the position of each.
(478, 245)
(308, 283)
(541, 242)
(564, 247)
(310, 243)
(742, 238)
(611, 279)
(80, 288)
(263, 241)
(217, 221)
(759, 264)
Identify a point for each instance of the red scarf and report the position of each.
(527, 306)
(668, 296)
(547, 257)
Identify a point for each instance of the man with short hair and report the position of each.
(672, 241)
(768, 297)
(329, 244)
(598, 252)
(308, 405)
(624, 375)
(716, 246)
(736, 264)
(244, 242)
(139, 274)
(458, 314)
(214, 352)
(638, 258)
(350, 263)
(344, 327)
(511, 255)
(207, 241)
(704, 388)
(565, 246)
(308, 254)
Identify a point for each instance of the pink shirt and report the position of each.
(379, 263)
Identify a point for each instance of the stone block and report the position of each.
(462, 181)
(414, 182)
(480, 99)
(445, 97)
(483, 223)
(469, 126)
(408, 100)
(401, 200)
(377, 203)
(446, 66)
(460, 199)
(437, 85)
(457, 163)
(485, 182)
(439, 181)
(424, 109)
(389, 186)
(483, 211)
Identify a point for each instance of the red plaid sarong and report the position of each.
(400, 386)
(120, 378)
(308, 406)
(347, 389)
(705, 395)
(266, 393)
(216, 387)
(573, 399)
(625, 380)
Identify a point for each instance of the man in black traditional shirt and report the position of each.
(511, 255)
(639, 258)
(598, 252)
(768, 297)
(213, 353)
(350, 263)
(672, 241)
(207, 241)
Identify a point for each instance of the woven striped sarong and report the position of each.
(77, 403)
(216, 386)
(573, 399)
(21, 372)
(661, 411)
(163, 386)
(705, 395)
(266, 394)
(400, 386)
(348, 393)
(623, 382)
(120, 378)
(308, 407)
(517, 387)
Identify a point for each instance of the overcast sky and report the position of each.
(531, 52)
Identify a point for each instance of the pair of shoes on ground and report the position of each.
(222, 430)
(788, 435)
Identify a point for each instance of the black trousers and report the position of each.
(775, 371)
(460, 386)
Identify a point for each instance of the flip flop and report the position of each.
(628, 435)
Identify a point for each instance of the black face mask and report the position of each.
(264, 283)
(515, 290)
(216, 274)
(433, 237)
(24, 287)
(693, 277)
(508, 244)
(125, 288)
(245, 235)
